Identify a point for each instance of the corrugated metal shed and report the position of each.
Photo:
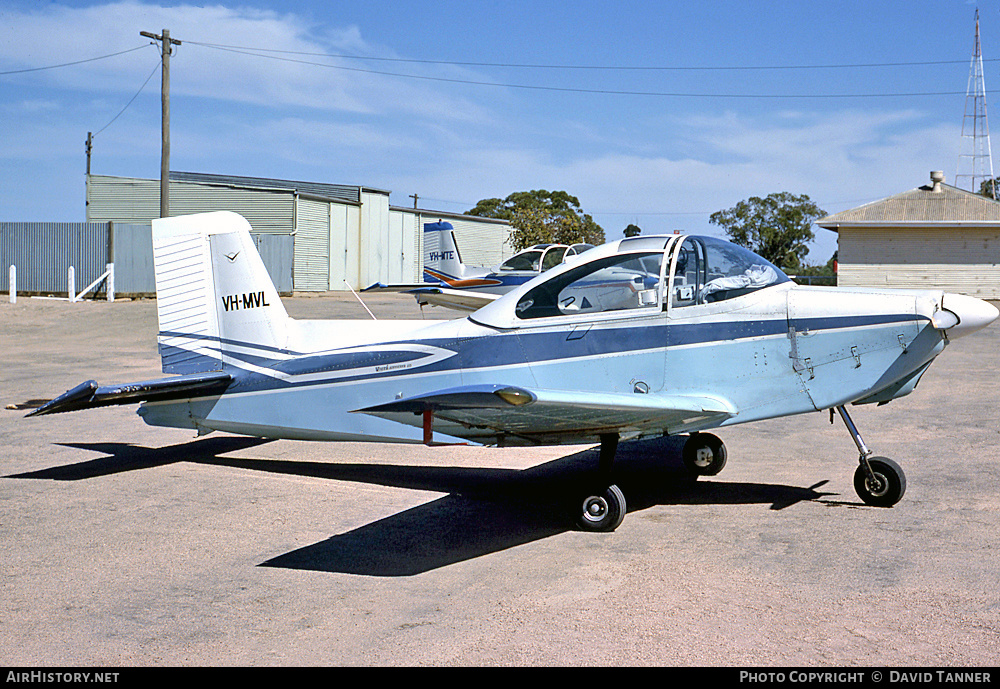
(129, 200)
(312, 244)
(342, 235)
(331, 192)
(133, 259)
(935, 236)
(268, 205)
(44, 251)
(375, 247)
(277, 251)
(481, 241)
(345, 241)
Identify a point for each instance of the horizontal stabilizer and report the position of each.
(482, 412)
(90, 394)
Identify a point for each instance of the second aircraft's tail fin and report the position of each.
(214, 295)
(442, 261)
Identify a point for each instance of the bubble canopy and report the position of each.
(638, 275)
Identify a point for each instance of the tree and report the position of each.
(827, 269)
(542, 217)
(778, 227)
(988, 187)
(632, 231)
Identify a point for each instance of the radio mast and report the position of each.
(975, 162)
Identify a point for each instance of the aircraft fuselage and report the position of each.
(787, 350)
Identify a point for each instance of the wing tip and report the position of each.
(74, 398)
(89, 394)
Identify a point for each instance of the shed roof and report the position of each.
(333, 192)
(932, 205)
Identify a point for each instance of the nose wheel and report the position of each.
(878, 481)
(880, 484)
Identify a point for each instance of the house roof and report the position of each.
(932, 205)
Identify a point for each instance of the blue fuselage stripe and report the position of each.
(527, 346)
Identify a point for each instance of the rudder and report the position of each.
(442, 262)
(214, 295)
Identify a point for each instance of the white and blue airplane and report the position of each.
(645, 336)
(451, 283)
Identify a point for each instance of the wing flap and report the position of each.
(90, 394)
(486, 412)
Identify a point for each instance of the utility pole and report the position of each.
(90, 147)
(166, 43)
(415, 198)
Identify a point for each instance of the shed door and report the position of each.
(312, 246)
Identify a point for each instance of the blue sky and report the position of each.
(653, 113)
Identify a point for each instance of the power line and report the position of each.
(75, 62)
(157, 67)
(636, 68)
(273, 54)
(513, 65)
(569, 89)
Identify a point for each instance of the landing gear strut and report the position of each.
(603, 509)
(879, 481)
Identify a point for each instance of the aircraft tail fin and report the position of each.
(214, 295)
(442, 262)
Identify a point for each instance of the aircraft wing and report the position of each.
(438, 295)
(397, 287)
(90, 394)
(517, 415)
(458, 299)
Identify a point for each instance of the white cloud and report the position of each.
(293, 71)
(238, 114)
(841, 158)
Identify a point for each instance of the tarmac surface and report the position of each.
(127, 545)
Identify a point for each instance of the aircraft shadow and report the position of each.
(489, 510)
(484, 510)
(123, 457)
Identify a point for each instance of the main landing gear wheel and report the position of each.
(604, 508)
(603, 511)
(884, 486)
(704, 454)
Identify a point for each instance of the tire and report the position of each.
(889, 486)
(704, 454)
(602, 511)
